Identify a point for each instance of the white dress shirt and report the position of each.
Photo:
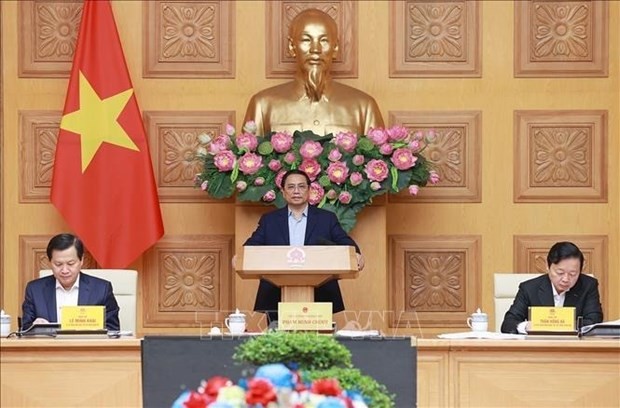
(66, 297)
(297, 228)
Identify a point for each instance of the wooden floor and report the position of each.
(451, 373)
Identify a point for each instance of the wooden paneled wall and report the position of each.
(524, 98)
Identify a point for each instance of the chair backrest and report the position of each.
(505, 290)
(124, 285)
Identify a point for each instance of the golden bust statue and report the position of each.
(313, 101)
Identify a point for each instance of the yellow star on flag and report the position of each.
(96, 121)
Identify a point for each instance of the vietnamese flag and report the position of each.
(103, 181)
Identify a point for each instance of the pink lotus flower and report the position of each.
(374, 186)
(338, 172)
(279, 178)
(386, 149)
(397, 133)
(345, 197)
(403, 159)
(418, 135)
(414, 145)
(274, 165)
(290, 158)
(414, 189)
(331, 194)
(241, 186)
(310, 149)
(431, 136)
(259, 181)
(247, 141)
(269, 196)
(346, 140)
(356, 178)
(358, 159)
(230, 129)
(221, 142)
(224, 160)
(250, 163)
(281, 142)
(334, 155)
(250, 127)
(377, 136)
(311, 167)
(376, 170)
(315, 194)
(204, 185)
(434, 177)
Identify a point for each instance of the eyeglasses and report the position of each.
(293, 187)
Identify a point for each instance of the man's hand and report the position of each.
(40, 320)
(360, 262)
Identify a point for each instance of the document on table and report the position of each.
(605, 328)
(481, 335)
(358, 333)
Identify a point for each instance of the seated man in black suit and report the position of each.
(299, 224)
(45, 296)
(563, 285)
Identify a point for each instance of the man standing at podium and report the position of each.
(299, 224)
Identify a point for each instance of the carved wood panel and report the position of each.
(561, 39)
(47, 37)
(279, 14)
(38, 134)
(434, 281)
(189, 39)
(174, 141)
(530, 256)
(188, 280)
(560, 156)
(455, 154)
(33, 258)
(435, 39)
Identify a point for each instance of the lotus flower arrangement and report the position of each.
(346, 170)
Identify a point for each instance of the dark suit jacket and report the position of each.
(40, 300)
(322, 228)
(583, 296)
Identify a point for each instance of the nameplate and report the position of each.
(552, 319)
(304, 316)
(82, 318)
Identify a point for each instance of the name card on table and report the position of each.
(304, 316)
(82, 318)
(552, 319)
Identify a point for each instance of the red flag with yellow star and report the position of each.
(103, 182)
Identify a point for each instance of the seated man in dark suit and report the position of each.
(563, 285)
(45, 296)
(299, 224)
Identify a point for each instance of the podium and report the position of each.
(297, 270)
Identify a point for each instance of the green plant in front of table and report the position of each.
(352, 378)
(305, 350)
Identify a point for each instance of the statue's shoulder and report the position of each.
(341, 90)
(282, 91)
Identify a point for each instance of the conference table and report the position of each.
(450, 373)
